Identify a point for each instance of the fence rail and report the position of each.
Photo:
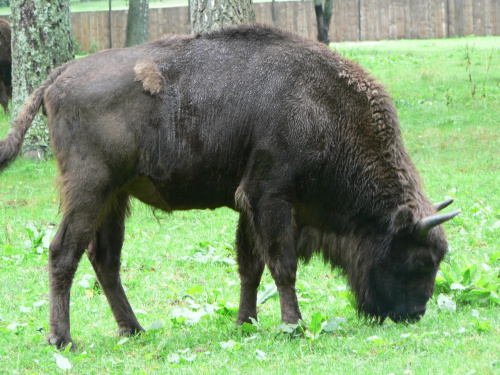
(352, 20)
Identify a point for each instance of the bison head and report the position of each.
(399, 280)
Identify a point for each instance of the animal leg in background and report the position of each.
(4, 98)
(104, 253)
(250, 265)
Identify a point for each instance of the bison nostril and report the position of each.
(417, 315)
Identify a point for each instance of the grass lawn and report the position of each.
(182, 281)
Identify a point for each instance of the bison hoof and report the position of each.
(240, 321)
(130, 331)
(60, 342)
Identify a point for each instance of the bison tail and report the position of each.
(11, 145)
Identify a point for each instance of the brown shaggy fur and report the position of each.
(301, 141)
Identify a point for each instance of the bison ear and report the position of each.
(402, 219)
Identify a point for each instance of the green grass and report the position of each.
(452, 135)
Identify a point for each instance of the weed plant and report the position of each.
(181, 277)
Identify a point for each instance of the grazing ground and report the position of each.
(181, 277)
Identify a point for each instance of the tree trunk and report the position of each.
(41, 41)
(137, 22)
(208, 15)
(323, 19)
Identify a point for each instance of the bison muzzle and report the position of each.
(302, 142)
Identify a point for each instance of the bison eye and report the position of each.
(423, 265)
(419, 264)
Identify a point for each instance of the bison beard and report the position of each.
(302, 142)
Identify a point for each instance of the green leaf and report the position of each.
(191, 317)
(203, 244)
(269, 291)
(349, 297)
(62, 362)
(333, 324)
(260, 355)
(227, 311)
(481, 326)
(495, 257)
(457, 286)
(230, 345)
(189, 358)
(122, 341)
(468, 275)
(156, 325)
(46, 239)
(31, 235)
(173, 358)
(474, 295)
(38, 241)
(67, 348)
(446, 303)
(316, 326)
(376, 339)
(288, 328)
(456, 271)
(448, 276)
(86, 281)
(180, 320)
(249, 328)
(494, 298)
(7, 250)
(195, 290)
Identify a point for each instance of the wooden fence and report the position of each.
(352, 20)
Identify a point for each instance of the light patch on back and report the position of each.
(147, 72)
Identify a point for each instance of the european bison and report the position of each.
(299, 140)
(5, 65)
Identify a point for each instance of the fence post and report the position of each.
(360, 37)
(110, 28)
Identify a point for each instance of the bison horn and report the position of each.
(427, 223)
(439, 206)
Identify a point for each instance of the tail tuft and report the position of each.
(9, 148)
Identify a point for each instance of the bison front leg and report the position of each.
(275, 229)
(284, 270)
(104, 253)
(250, 266)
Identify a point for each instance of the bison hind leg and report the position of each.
(104, 254)
(66, 249)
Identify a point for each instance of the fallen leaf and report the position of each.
(62, 362)
(333, 324)
(260, 355)
(446, 303)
